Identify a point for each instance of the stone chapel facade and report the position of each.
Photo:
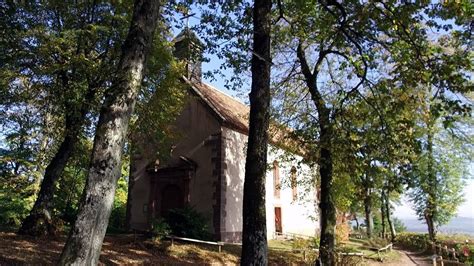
(206, 169)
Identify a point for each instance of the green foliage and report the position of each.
(413, 241)
(160, 229)
(304, 243)
(118, 216)
(71, 184)
(399, 225)
(17, 196)
(56, 60)
(187, 222)
(436, 176)
(378, 242)
(19, 170)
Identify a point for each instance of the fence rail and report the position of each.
(438, 260)
(450, 253)
(218, 244)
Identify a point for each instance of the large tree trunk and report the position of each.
(40, 221)
(328, 209)
(368, 212)
(254, 233)
(86, 236)
(431, 228)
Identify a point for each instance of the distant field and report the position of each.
(458, 225)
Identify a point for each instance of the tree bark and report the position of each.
(431, 228)
(86, 236)
(368, 212)
(254, 234)
(328, 209)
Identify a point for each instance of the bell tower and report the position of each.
(188, 48)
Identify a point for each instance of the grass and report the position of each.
(134, 249)
(368, 247)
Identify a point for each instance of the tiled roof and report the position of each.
(233, 114)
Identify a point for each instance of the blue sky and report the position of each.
(466, 209)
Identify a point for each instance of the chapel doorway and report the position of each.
(278, 227)
(171, 198)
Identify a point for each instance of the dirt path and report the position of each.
(407, 258)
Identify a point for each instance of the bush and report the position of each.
(378, 242)
(117, 221)
(187, 222)
(160, 229)
(399, 225)
(305, 243)
(413, 241)
(342, 232)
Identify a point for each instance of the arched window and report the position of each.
(276, 180)
(294, 183)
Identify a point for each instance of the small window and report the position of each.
(294, 183)
(276, 180)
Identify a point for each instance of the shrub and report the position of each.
(187, 222)
(399, 225)
(413, 241)
(305, 243)
(378, 242)
(342, 232)
(119, 209)
(160, 229)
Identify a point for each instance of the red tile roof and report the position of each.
(233, 114)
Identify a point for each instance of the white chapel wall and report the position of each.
(297, 216)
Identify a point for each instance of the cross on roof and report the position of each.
(186, 16)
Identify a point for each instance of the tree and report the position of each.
(339, 50)
(438, 171)
(254, 233)
(64, 55)
(86, 236)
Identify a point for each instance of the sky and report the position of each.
(466, 209)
